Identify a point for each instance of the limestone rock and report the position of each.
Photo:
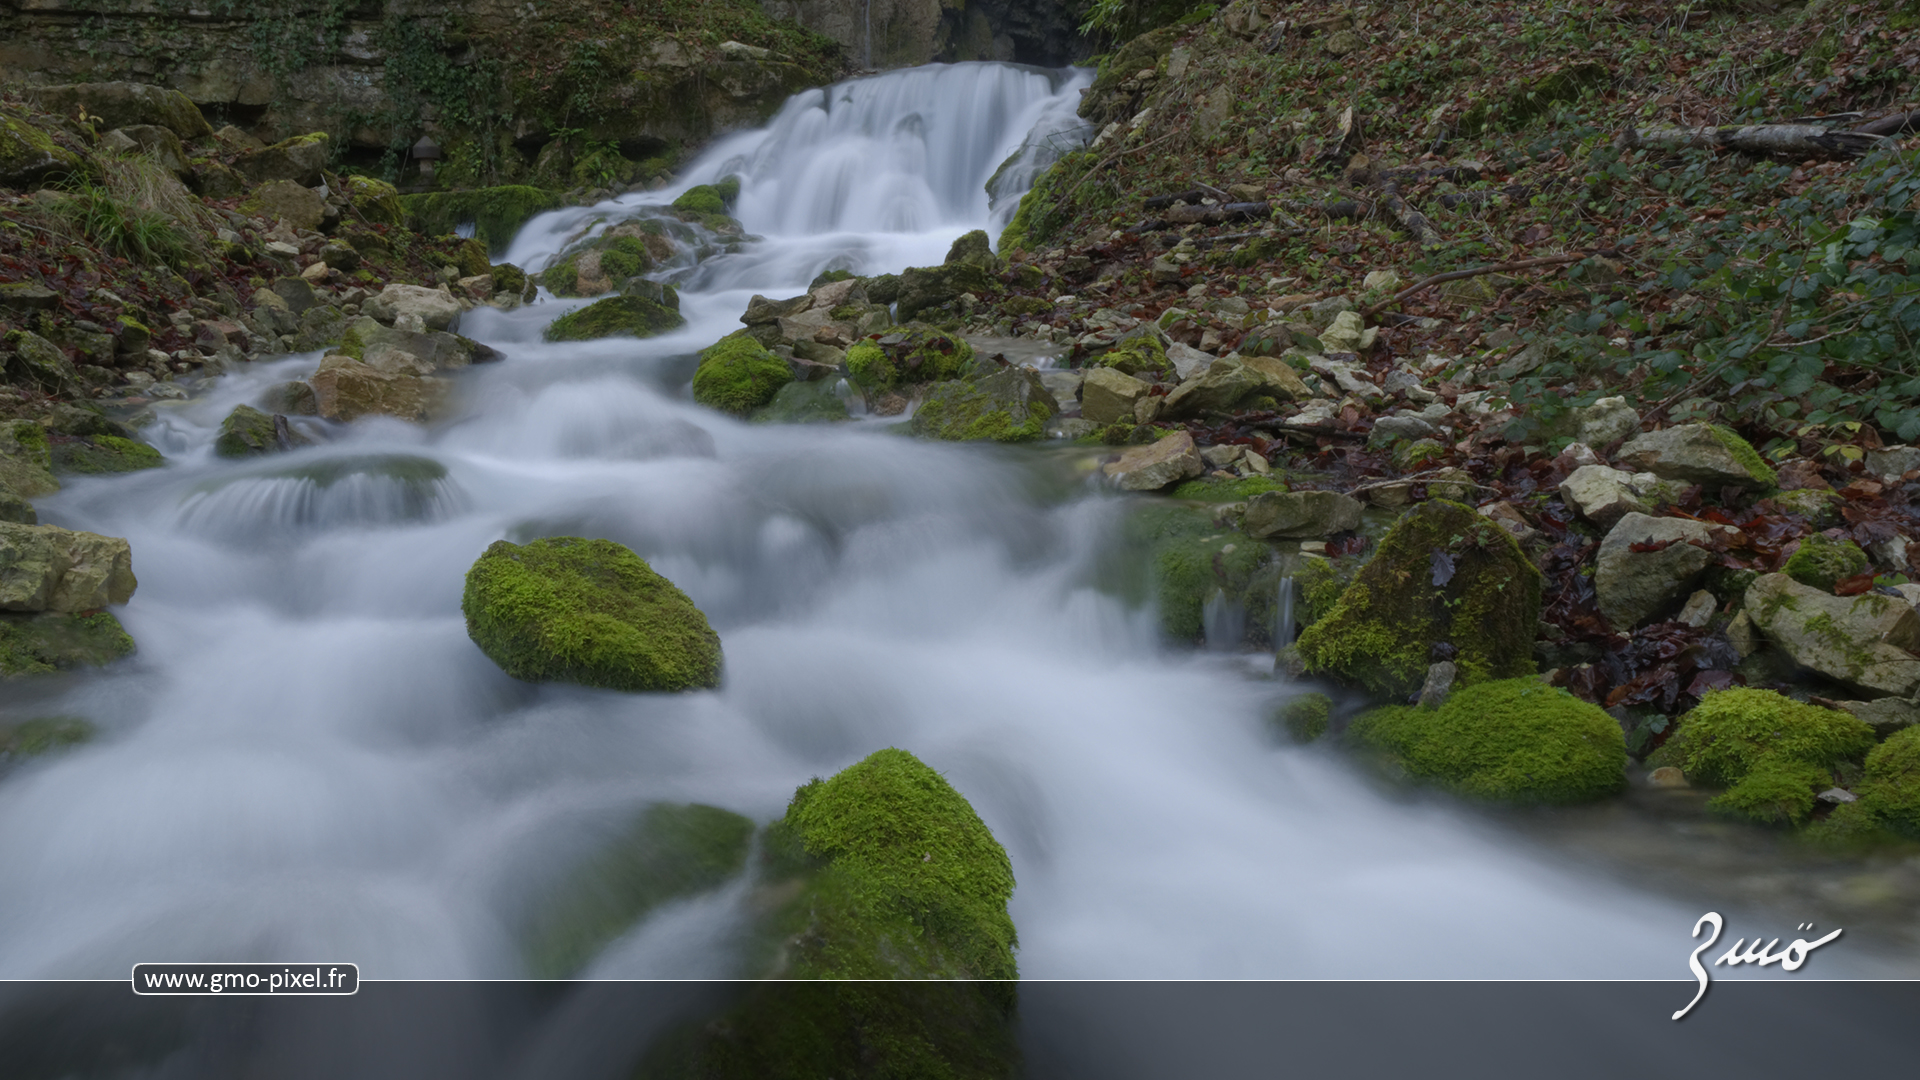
(366, 340)
(1107, 395)
(1605, 421)
(1301, 515)
(46, 568)
(1602, 495)
(1635, 586)
(29, 157)
(1188, 362)
(1160, 464)
(346, 389)
(156, 142)
(300, 207)
(123, 104)
(1865, 641)
(246, 432)
(435, 307)
(298, 160)
(1698, 454)
(1230, 380)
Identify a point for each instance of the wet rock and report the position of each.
(761, 310)
(345, 389)
(1865, 642)
(812, 402)
(1438, 685)
(1698, 454)
(366, 340)
(1158, 465)
(46, 642)
(436, 308)
(1666, 776)
(1300, 515)
(46, 568)
(616, 316)
(910, 357)
(1107, 395)
(1011, 405)
(1602, 495)
(737, 375)
(15, 509)
(246, 432)
(102, 453)
(590, 612)
(1635, 586)
(1770, 752)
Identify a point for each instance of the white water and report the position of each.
(309, 760)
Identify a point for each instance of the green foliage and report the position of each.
(422, 74)
(1510, 740)
(148, 237)
(591, 612)
(1891, 790)
(738, 375)
(909, 356)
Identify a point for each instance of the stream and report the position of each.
(308, 759)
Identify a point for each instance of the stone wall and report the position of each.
(882, 34)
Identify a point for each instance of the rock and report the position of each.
(435, 307)
(156, 142)
(1602, 495)
(1699, 609)
(34, 361)
(761, 311)
(1300, 515)
(1698, 454)
(926, 287)
(1820, 562)
(1885, 715)
(124, 104)
(1222, 457)
(1605, 421)
(246, 432)
(1402, 427)
(1636, 586)
(1156, 466)
(29, 157)
(1835, 796)
(15, 509)
(1382, 280)
(94, 454)
(345, 389)
(911, 356)
(316, 272)
(1508, 516)
(812, 402)
(617, 316)
(1011, 405)
(1188, 362)
(1438, 685)
(973, 249)
(1770, 752)
(295, 293)
(1107, 395)
(26, 296)
(1893, 462)
(1510, 740)
(1063, 385)
(1383, 631)
(298, 160)
(42, 643)
(1138, 352)
(1347, 334)
(407, 352)
(1666, 776)
(590, 612)
(301, 208)
(1232, 380)
(737, 375)
(1743, 635)
(46, 568)
(26, 459)
(1863, 641)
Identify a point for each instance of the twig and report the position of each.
(1068, 197)
(1424, 474)
(1457, 275)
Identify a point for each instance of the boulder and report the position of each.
(1866, 642)
(1634, 586)
(812, 402)
(617, 316)
(1010, 405)
(925, 287)
(1107, 395)
(367, 340)
(1232, 380)
(46, 568)
(1885, 715)
(34, 361)
(1157, 465)
(1444, 575)
(1605, 421)
(761, 311)
(246, 432)
(26, 459)
(1300, 515)
(29, 157)
(973, 249)
(45, 642)
(156, 142)
(1698, 454)
(299, 160)
(300, 207)
(124, 104)
(435, 307)
(1602, 495)
(908, 357)
(591, 612)
(738, 375)
(1821, 562)
(346, 389)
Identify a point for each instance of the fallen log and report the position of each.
(1897, 124)
(1793, 141)
(1161, 202)
(1412, 220)
(1218, 215)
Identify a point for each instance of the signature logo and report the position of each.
(1789, 959)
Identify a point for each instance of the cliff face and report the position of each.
(494, 81)
(902, 33)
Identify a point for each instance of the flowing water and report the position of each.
(308, 759)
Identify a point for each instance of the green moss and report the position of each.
(1744, 453)
(377, 202)
(1187, 560)
(47, 642)
(738, 375)
(1140, 354)
(803, 403)
(1891, 789)
(589, 612)
(98, 454)
(1225, 491)
(1382, 632)
(911, 355)
(1305, 717)
(701, 199)
(470, 258)
(625, 257)
(497, 213)
(44, 735)
(668, 852)
(616, 316)
(1321, 581)
(728, 189)
(1820, 562)
(1776, 791)
(1007, 406)
(246, 432)
(1510, 740)
(1731, 732)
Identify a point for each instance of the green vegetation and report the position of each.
(1771, 753)
(630, 316)
(1007, 406)
(738, 375)
(591, 612)
(104, 454)
(1820, 562)
(1305, 717)
(1891, 790)
(497, 213)
(910, 355)
(47, 642)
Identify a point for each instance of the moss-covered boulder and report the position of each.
(96, 454)
(46, 642)
(1446, 584)
(705, 199)
(973, 249)
(803, 403)
(26, 459)
(32, 360)
(496, 213)
(923, 288)
(1891, 788)
(246, 432)
(1012, 405)
(298, 160)
(47, 568)
(1821, 561)
(910, 356)
(123, 104)
(1508, 740)
(1773, 754)
(1304, 718)
(1698, 454)
(591, 612)
(375, 202)
(669, 851)
(738, 375)
(1137, 354)
(617, 316)
(29, 157)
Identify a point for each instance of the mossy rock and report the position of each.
(1140, 354)
(1383, 631)
(1821, 562)
(508, 278)
(376, 201)
(1508, 740)
(803, 403)
(616, 316)
(910, 356)
(497, 213)
(44, 735)
(923, 288)
(26, 459)
(701, 199)
(1188, 560)
(1891, 789)
(565, 609)
(44, 643)
(1008, 406)
(1213, 490)
(1770, 752)
(1305, 718)
(670, 851)
(246, 432)
(97, 454)
(29, 157)
(624, 257)
(738, 375)
(470, 258)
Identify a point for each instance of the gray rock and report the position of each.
(1188, 362)
(1885, 715)
(39, 363)
(46, 568)
(1162, 464)
(1439, 685)
(1699, 609)
(1108, 396)
(1605, 421)
(1837, 795)
(1345, 376)
(1301, 515)
(1223, 456)
(435, 307)
(1402, 427)
(1892, 462)
(1063, 385)
(1635, 586)
(1693, 454)
(1601, 495)
(1865, 641)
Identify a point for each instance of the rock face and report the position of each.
(1698, 454)
(1444, 575)
(44, 568)
(1636, 586)
(1300, 515)
(1159, 465)
(1866, 641)
(591, 612)
(1012, 405)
